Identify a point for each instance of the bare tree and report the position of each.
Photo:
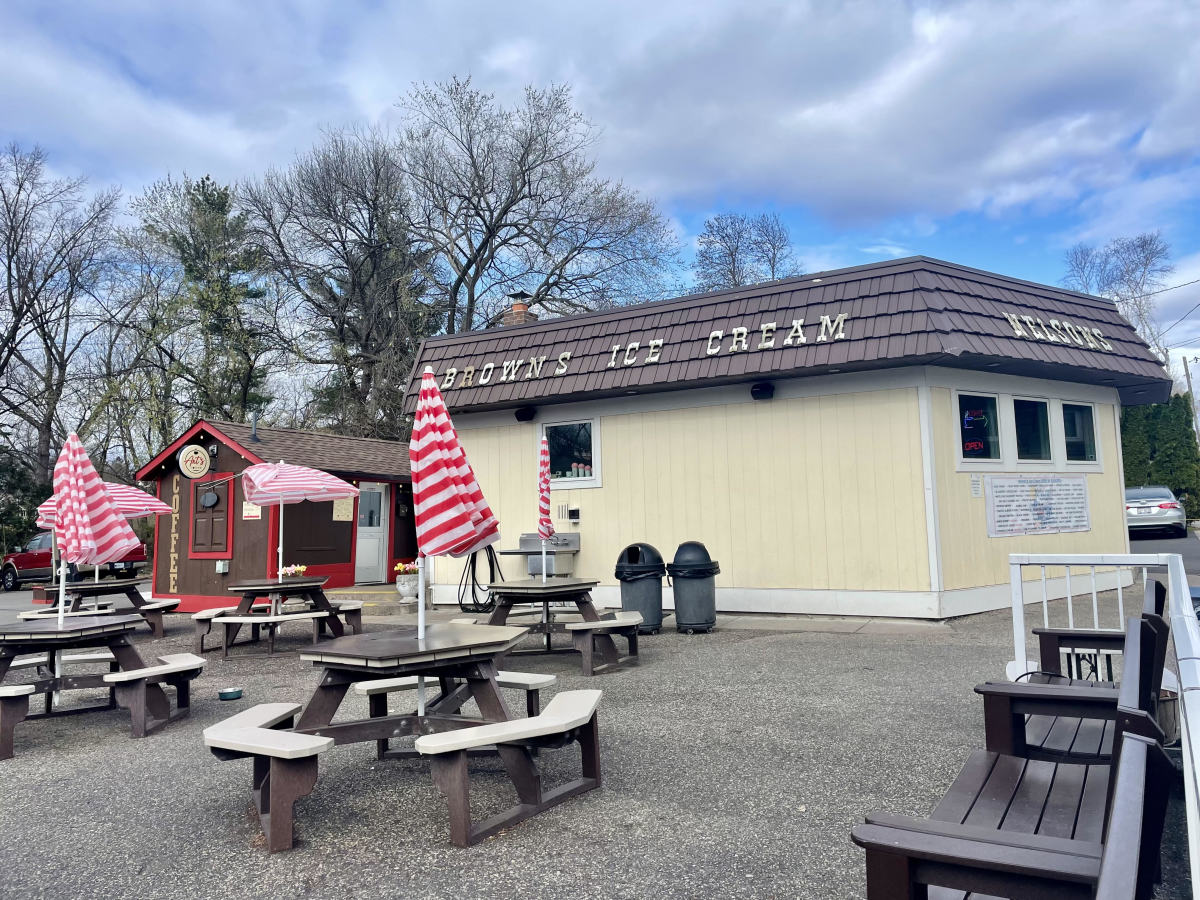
(1127, 271)
(334, 228)
(507, 198)
(57, 252)
(736, 249)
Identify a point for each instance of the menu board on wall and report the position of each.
(343, 510)
(1037, 504)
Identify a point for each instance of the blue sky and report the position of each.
(991, 134)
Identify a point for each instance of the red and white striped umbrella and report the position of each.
(130, 503)
(274, 484)
(87, 528)
(452, 517)
(545, 524)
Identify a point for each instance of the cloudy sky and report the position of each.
(987, 133)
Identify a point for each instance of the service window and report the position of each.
(573, 458)
(979, 427)
(212, 523)
(370, 509)
(1031, 419)
(1079, 428)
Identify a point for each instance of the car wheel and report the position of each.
(11, 581)
(1182, 532)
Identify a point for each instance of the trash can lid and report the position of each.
(639, 555)
(691, 553)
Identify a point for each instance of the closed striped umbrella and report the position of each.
(87, 528)
(274, 484)
(545, 523)
(452, 517)
(130, 503)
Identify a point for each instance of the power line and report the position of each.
(1163, 333)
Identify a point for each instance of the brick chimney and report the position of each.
(518, 313)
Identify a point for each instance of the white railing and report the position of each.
(1120, 572)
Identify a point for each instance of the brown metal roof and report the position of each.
(915, 311)
(354, 456)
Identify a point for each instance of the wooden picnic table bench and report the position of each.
(151, 611)
(1012, 826)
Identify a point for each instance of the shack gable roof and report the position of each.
(349, 456)
(915, 311)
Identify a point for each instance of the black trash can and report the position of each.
(640, 569)
(694, 571)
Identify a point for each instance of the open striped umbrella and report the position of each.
(545, 523)
(452, 516)
(274, 484)
(130, 503)
(87, 527)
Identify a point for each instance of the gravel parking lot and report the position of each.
(735, 765)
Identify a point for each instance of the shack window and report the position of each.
(573, 456)
(212, 524)
(979, 427)
(370, 509)
(1032, 420)
(1079, 427)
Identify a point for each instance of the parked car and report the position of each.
(1154, 507)
(33, 564)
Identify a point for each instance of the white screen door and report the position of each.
(370, 560)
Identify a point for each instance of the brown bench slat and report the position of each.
(1061, 737)
(960, 796)
(1090, 824)
(1025, 813)
(1062, 806)
(996, 793)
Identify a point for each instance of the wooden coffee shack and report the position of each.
(214, 538)
(868, 441)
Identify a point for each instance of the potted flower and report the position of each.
(293, 571)
(406, 580)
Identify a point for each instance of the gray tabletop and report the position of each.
(270, 585)
(390, 649)
(537, 589)
(33, 630)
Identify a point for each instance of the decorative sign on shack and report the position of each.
(1037, 504)
(194, 461)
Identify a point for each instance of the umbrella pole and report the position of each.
(62, 605)
(279, 555)
(543, 560)
(421, 627)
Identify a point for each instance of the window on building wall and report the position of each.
(572, 451)
(979, 427)
(1079, 429)
(1031, 419)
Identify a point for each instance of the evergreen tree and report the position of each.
(1135, 445)
(1175, 460)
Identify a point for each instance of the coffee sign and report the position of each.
(194, 461)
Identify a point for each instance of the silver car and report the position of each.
(1154, 507)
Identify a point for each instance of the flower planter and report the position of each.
(406, 586)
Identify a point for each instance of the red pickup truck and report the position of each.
(33, 564)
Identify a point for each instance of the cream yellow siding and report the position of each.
(969, 557)
(810, 493)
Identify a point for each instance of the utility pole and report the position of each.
(1187, 373)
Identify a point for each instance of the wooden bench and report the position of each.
(531, 684)
(152, 613)
(1020, 803)
(1025, 828)
(14, 707)
(30, 614)
(1033, 718)
(271, 623)
(569, 717)
(285, 763)
(624, 624)
(349, 611)
(175, 669)
(204, 621)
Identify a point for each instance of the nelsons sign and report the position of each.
(738, 339)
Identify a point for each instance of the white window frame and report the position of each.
(1053, 439)
(594, 480)
(978, 465)
(1085, 465)
(1008, 461)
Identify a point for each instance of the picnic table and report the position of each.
(461, 660)
(46, 637)
(150, 610)
(277, 593)
(536, 592)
